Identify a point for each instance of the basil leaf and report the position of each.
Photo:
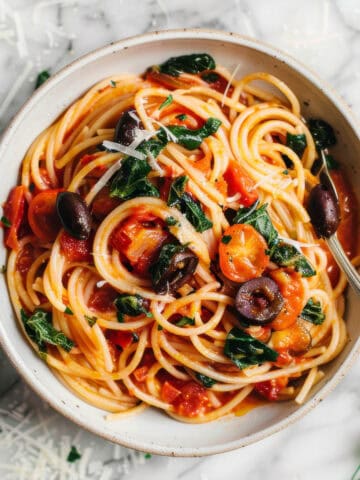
(68, 311)
(166, 102)
(187, 205)
(171, 221)
(226, 239)
(245, 350)
(190, 139)
(185, 321)
(312, 312)
(39, 328)
(296, 142)
(5, 221)
(331, 163)
(205, 380)
(286, 255)
(91, 320)
(210, 77)
(130, 181)
(112, 83)
(41, 78)
(322, 133)
(73, 455)
(181, 116)
(158, 269)
(194, 63)
(132, 305)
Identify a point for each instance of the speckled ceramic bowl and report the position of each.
(153, 431)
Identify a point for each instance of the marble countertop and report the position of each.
(37, 35)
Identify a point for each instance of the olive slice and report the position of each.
(323, 210)
(126, 127)
(259, 301)
(74, 214)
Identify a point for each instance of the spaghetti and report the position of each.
(194, 184)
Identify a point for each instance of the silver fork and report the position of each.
(333, 242)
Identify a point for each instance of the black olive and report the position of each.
(74, 214)
(323, 210)
(228, 287)
(179, 269)
(259, 301)
(126, 127)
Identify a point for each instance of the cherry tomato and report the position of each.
(43, 217)
(292, 290)
(14, 210)
(76, 250)
(239, 182)
(193, 400)
(243, 257)
(140, 373)
(295, 339)
(270, 389)
(120, 338)
(139, 238)
(102, 299)
(169, 393)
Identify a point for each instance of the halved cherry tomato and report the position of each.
(169, 393)
(292, 290)
(295, 339)
(14, 210)
(222, 186)
(239, 182)
(243, 257)
(270, 389)
(139, 238)
(140, 373)
(25, 259)
(120, 338)
(103, 204)
(43, 217)
(76, 250)
(102, 299)
(193, 400)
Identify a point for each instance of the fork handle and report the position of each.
(344, 263)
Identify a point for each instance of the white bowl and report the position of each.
(153, 431)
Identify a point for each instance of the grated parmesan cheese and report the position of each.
(232, 76)
(126, 150)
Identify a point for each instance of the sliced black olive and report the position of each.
(228, 287)
(126, 127)
(259, 301)
(323, 210)
(74, 214)
(173, 268)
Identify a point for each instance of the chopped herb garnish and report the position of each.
(41, 78)
(40, 330)
(73, 455)
(68, 311)
(3, 269)
(120, 317)
(181, 116)
(166, 102)
(160, 327)
(171, 221)
(245, 350)
(287, 255)
(313, 313)
(5, 221)
(296, 143)
(185, 321)
(205, 380)
(132, 305)
(210, 77)
(285, 172)
(331, 163)
(190, 139)
(322, 132)
(147, 456)
(193, 63)
(91, 320)
(187, 205)
(112, 83)
(226, 239)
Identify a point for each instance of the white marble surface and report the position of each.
(49, 34)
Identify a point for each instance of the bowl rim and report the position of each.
(123, 44)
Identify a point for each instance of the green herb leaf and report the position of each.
(181, 116)
(130, 181)
(286, 255)
(245, 350)
(185, 321)
(313, 313)
(331, 163)
(147, 456)
(5, 221)
(187, 205)
(132, 305)
(91, 320)
(210, 77)
(73, 455)
(171, 221)
(112, 83)
(296, 143)
(226, 239)
(160, 327)
(190, 139)
(120, 317)
(194, 63)
(322, 132)
(68, 311)
(166, 102)
(39, 328)
(205, 380)
(41, 78)
(3, 269)
(285, 172)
